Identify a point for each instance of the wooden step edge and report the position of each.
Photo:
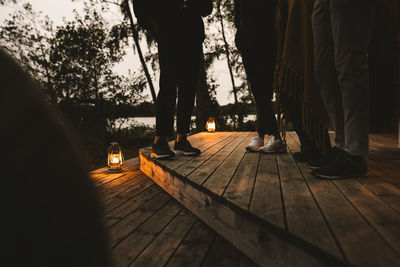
(261, 241)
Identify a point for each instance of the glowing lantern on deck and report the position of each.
(115, 158)
(210, 125)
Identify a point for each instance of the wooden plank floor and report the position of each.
(273, 210)
(147, 227)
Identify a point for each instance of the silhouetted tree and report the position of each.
(75, 63)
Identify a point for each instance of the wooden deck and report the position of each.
(147, 227)
(274, 211)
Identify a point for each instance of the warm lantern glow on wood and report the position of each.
(115, 158)
(210, 125)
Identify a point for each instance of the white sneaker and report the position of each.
(275, 145)
(255, 144)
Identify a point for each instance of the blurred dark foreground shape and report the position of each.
(50, 214)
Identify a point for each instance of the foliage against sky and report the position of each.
(213, 50)
(73, 61)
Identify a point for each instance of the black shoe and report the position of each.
(161, 150)
(325, 159)
(185, 148)
(343, 166)
(306, 154)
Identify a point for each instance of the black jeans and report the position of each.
(259, 65)
(256, 40)
(179, 57)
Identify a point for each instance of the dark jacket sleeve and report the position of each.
(146, 11)
(237, 13)
(204, 7)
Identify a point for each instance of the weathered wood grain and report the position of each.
(241, 186)
(389, 193)
(195, 162)
(133, 244)
(164, 245)
(383, 219)
(119, 213)
(263, 203)
(267, 198)
(123, 178)
(246, 262)
(123, 196)
(193, 249)
(207, 168)
(125, 182)
(219, 180)
(304, 218)
(360, 243)
(253, 239)
(222, 254)
(205, 142)
(122, 229)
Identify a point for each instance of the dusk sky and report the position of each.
(56, 10)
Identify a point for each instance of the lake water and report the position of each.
(151, 121)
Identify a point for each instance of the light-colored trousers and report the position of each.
(342, 30)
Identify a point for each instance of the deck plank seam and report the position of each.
(377, 195)
(139, 225)
(208, 148)
(369, 223)
(242, 139)
(180, 242)
(155, 237)
(233, 174)
(131, 196)
(207, 159)
(123, 217)
(189, 159)
(254, 182)
(208, 249)
(282, 198)
(383, 178)
(129, 163)
(107, 183)
(322, 213)
(122, 185)
(104, 181)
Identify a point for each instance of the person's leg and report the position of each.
(308, 149)
(259, 70)
(166, 98)
(351, 27)
(189, 65)
(325, 71)
(351, 23)
(258, 51)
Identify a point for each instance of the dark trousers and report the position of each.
(256, 41)
(259, 66)
(179, 59)
(342, 31)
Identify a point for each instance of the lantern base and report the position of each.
(114, 170)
